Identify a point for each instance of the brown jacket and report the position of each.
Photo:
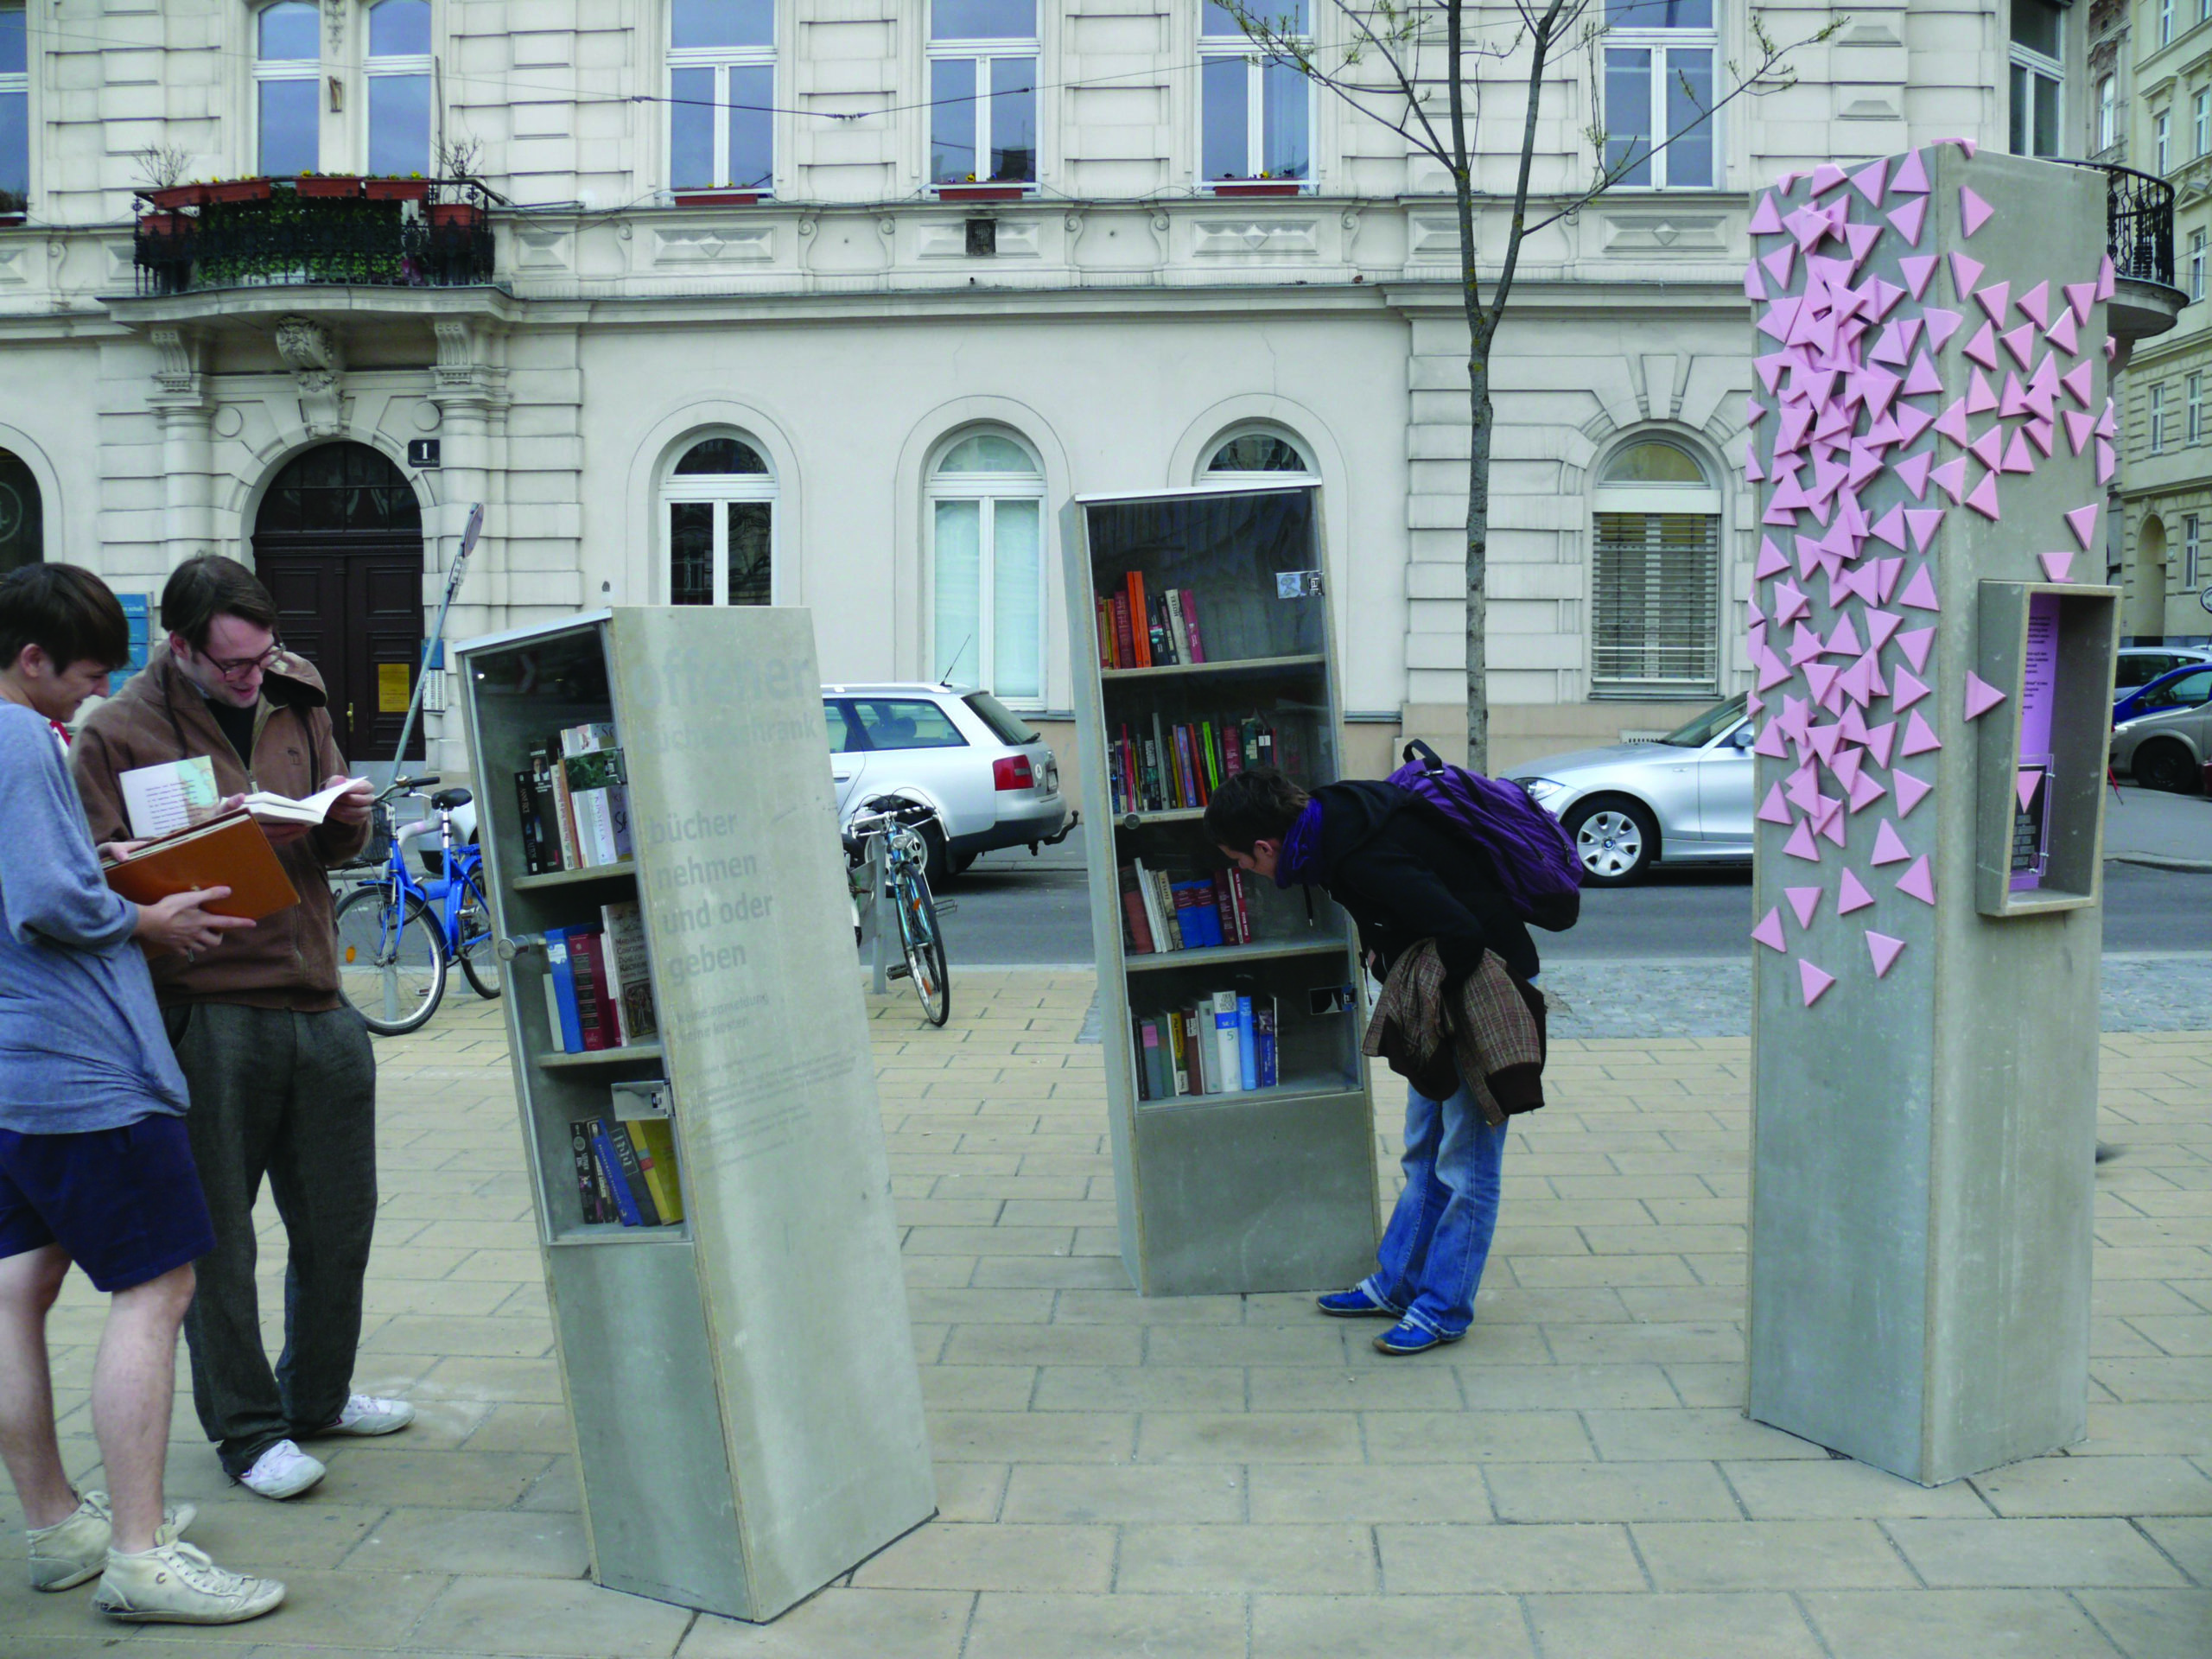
(1488, 1032)
(285, 961)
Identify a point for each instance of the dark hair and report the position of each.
(201, 589)
(68, 613)
(1259, 803)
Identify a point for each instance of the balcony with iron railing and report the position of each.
(2139, 235)
(310, 231)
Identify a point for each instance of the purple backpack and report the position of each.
(1535, 860)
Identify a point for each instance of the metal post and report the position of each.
(437, 633)
(887, 914)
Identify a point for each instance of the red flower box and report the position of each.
(329, 189)
(716, 197)
(397, 190)
(160, 224)
(456, 213)
(178, 195)
(7, 219)
(1258, 187)
(981, 192)
(239, 190)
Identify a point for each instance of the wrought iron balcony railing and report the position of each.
(277, 232)
(2139, 223)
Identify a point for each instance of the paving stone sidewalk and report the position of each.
(1236, 1478)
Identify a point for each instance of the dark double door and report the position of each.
(357, 614)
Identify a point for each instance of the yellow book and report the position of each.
(656, 1146)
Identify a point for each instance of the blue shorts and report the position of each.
(125, 1203)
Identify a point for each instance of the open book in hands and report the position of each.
(269, 808)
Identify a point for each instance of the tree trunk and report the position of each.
(1478, 437)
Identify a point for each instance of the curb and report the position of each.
(2157, 861)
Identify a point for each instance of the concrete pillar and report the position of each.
(180, 400)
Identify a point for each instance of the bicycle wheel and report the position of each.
(392, 967)
(925, 948)
(480, 961)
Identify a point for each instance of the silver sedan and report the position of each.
(1683, 799)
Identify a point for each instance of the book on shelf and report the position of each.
(1163, 913)
(541, 848)
(229, 851)
(564, 1021)
(1179, 764)
(594, 1195)
(1141, 630)
(654, 1140)
(598, 983)
(629, 971)
(574, 801)
(1223, 1043)
(598, 797)
(595, 1009)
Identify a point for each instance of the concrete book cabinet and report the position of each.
(747, 1414)
(1245, 1190)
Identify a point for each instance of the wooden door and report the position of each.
(356, 615)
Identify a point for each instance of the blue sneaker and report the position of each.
(1407, 1338)
(1354, 1304)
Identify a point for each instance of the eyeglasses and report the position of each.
(232, 668)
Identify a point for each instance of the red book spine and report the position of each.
(1140, 619)
(595, 1009)
(1132, 912)
(1232, 751)
(1231, 934)
(1237, 904)
(1191, 625)
(1124, 642)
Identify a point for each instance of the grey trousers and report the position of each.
(291, 1096)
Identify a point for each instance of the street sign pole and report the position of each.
(468, 538)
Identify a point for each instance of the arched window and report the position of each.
(719, 504)
(23, 539)
(288, 87)
(1259, 455)
(987, 524)
(1655, 574)
(721, 89)
(399, 87)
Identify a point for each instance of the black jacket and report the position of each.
(1405, 874)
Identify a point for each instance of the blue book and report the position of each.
(602, 1145)
(571, 1033)
(1248, 1060)
(1263, 1043)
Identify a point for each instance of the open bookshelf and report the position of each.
(1242, 1188)
(747, 1414)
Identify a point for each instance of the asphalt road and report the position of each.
(1012, 909)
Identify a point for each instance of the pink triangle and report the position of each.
(1917, 267)
(1889, 846)
(2024, 785)
(1915, 644)
(1919, 737)
(1850, 759)
(1917, 882)
(1880, 624)
(1951, 478)
(2017, 458)
(2076, 383)
(2056, 565)
(1770, 741)
(1889, 527)
(1768, 931)
(1910, 792)
(1771, 561)
(1973, 212)
(1969, 145)
(1909, 219)
(1979, 398)
(1983, 498)
(1864, 792)
(1779, 262)
(1843, 638)
(1912, 471)
(2082, 521)
(1965, 273)
(1753, 473)
(1923, 522)
(2079, 424)
(1910, 422)
(1891, 569)
(1774, 808)
(1861, 239)
(1884, 948)
(2035, 305)
(2021, 343)
(1820, 676)
(1910, 178)
(2106, 284)
(1880, 738)
(1942, 323)
(1871, 181)
(1952, 423)
(1921, 378)
(2041, 435)
(1804, 901)
(1852, 894)
(1812, 981)
(1800, 844)
(1765, 221)
(1832, 820)
(2106, 460)
(1982, 697)
(1994, 298)
(1989, 447)
(2108, 422)
(1920, 592)
(1982, 348)
(1826, 177)
(2081, 297)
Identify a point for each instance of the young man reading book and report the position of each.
(95, 1165)
(283, 1082)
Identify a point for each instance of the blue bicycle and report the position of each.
(397, 932)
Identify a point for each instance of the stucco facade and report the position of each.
(1126, 322)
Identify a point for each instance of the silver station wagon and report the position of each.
(990, 778)
(1683, 799)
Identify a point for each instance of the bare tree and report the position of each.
(1384, 67)
(162, 166)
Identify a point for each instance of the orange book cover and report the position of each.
(1140, 619)
(230, 851)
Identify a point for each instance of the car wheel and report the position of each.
(938, 868)
(2165, 766)
(1616, 840)
(962, 862)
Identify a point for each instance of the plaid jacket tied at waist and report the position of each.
(1490, 1034)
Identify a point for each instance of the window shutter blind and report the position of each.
(1655, 604)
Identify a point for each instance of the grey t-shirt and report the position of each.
(81, 1042)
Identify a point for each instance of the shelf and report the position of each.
(1179, 815)
(1241, 666)
(613, 1232)
(1229, 954)
(629, 1053)
(623, 872)
(1297, 1089)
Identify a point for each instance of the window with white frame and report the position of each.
(2162, 141)
(2195, 266)
(2108, 113)
(2039, 77)
(288, 88)
(2204, 124)
(1255, 112)
(1257, 456)
(718, 505)
(15, 109)
(1655, 574)
(984, 59)
(986, 568)
(721, 89)
(2158, 419)
(2165, 22)
(2191, 543)
(2193, 410)
(399, 76)
(1658, 93)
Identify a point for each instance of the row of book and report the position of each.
(598, 991)
(575, 799)
(1164, 913)
(1135, 631)
(1177, 766)
(625, 1171)
(1223, 1044)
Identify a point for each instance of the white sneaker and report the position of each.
(72, 1550)
(283, 1470)
(366, 1414)
(178, 1584)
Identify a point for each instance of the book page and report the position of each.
(160, 799)
(272, 808)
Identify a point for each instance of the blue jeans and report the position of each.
(1439, 1237)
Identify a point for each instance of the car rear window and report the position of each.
(905, 723)
(1005, 725)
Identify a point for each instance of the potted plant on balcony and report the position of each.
(1262, 186)
(15, 206)
(413, 188)
(162, 167)
(231, 190)
(328, 186)
(722, 196)
(970, 189)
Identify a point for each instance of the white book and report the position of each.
(1161, 940)
(1227, 1045)
(169, 796)
(271, 808)
(629, 970)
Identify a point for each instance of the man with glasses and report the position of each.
(282, 1080)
